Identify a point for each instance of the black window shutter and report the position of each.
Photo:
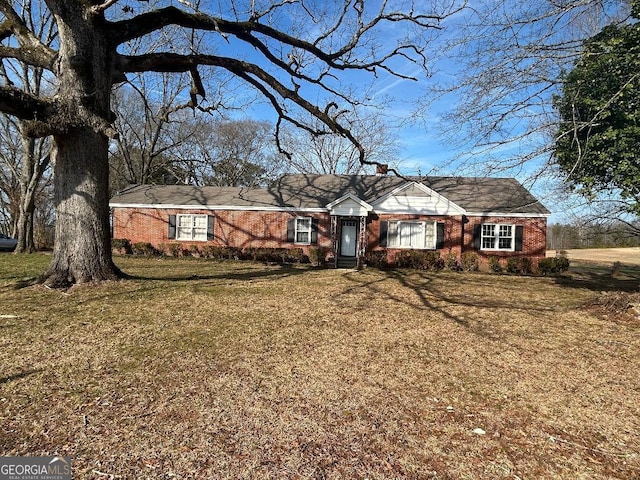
(172, 227)
(291, 230)
(210, 222)
(519, 237)
(384, 228)
(314, 230)
(477, 236)
(439, 235)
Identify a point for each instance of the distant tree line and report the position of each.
(593, 235)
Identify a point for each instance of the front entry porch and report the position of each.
(349, 230)
(349, 239)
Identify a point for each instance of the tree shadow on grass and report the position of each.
(19, 284)
(599, 277)
(246, 273)
(434, 297)
(249, 273)
(143, 283)
(18, 376)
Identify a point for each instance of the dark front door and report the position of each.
(348, 238)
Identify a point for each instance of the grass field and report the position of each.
(194, 369)
(630, 256)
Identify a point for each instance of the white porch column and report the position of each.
(334, 239)
(362, 240)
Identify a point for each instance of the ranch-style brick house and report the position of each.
(349, 215)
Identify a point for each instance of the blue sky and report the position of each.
(421, 150)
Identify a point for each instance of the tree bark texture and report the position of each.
(82, 245)
(26, 242)
(82, 249)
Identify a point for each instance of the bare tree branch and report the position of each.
(339, 57)
(49, 117)
(256, 76)
(511, 55)
(16, 102)
(98, 9)
(32, 50)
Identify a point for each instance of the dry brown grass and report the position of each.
(201, 370)
(630, 255)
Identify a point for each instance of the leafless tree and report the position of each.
(34, 166)
(157, 118)
(233, 153)
(505, 63)
(24, 165)
(607, 211)
(333, 154)
(10, 155)
(28, 163)
(153, 121)
(290, 52)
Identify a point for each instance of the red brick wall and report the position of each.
(452, 233)
(458, 236)
(239, 229)
(269, 229)
(534, 237)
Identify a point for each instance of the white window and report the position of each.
(303, 230)
(411, 234)
(497, 237)
(191, 227)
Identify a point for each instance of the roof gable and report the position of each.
(414, 189)
(349, 205)
(414, 197)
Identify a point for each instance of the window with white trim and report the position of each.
(191, 227)
(411, 234)
(303, 230)
(497, 237)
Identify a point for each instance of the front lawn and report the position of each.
(200, 369)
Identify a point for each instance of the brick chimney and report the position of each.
(382, 169)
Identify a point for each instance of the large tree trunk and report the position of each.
(82, 244)
(82, 248)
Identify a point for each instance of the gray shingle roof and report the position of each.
(484, 195)
(475, 195)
